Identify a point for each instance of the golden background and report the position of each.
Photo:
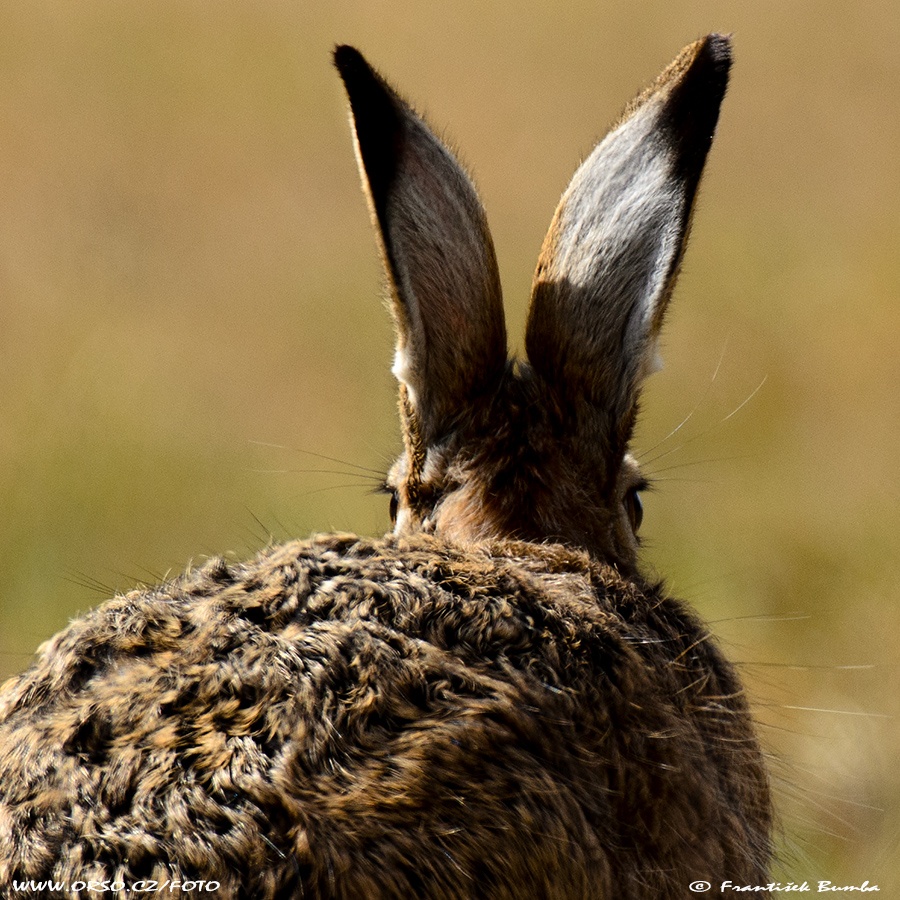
(190, 310)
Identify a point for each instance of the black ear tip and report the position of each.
(700, 76)
(368, 92)
(717, 49)
(708, 70)
(346, 57)
(377, 120)
(712, 65)
(348, 60)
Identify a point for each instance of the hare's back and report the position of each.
(347, 718)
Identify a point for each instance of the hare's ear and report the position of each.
(445, 286)
(609, 262)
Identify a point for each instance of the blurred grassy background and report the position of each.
(187, 278)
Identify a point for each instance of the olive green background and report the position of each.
(190, 311)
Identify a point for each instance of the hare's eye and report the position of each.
(634, 508)
(395, 502)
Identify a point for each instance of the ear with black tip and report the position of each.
(609, 262)
(445, 286)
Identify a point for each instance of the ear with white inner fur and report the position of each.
(445, 286)
(609, 262)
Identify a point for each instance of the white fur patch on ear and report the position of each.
(653, 360)
(403, 370)
(403, 521)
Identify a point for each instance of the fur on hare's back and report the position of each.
(354, 718)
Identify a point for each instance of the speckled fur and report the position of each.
(492, 702)
(351, 718)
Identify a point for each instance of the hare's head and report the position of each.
(537, 449)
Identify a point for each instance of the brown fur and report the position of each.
(348, 718)
(491, 702)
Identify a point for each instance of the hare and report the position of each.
(491, 701)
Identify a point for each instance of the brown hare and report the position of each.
(489, 702)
